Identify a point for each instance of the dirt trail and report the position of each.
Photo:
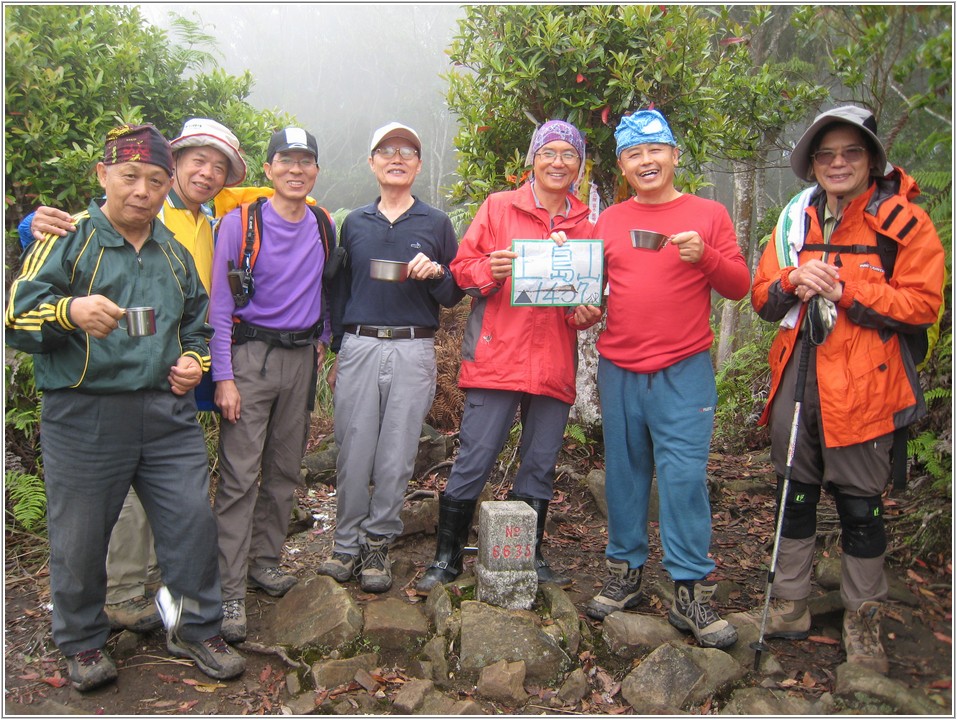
(152, 683)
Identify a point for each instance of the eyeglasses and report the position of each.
(288, 162)
(850, 154)
(389, 151)
(568, 156)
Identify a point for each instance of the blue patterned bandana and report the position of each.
(644, 126)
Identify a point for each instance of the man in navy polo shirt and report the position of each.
(384, 377)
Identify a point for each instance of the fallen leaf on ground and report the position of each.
(56, 681)
(914, 576)
(940, 685)
(824, 640)
(201, 686)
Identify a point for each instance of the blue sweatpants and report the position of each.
(664, 421)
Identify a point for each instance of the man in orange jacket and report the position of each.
(861, 380)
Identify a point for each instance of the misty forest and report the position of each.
(738, 84)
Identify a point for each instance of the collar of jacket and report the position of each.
(525, 201)
(107, 236)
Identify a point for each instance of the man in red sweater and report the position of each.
(655, 376)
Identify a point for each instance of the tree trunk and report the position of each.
(587, 409)
(743, 175)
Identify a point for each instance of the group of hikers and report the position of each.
(242, 325)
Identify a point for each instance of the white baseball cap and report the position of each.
(201, 132)
(395, 129)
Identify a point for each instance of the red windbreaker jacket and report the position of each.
(524, 349)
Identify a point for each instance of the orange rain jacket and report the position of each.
(868, 385)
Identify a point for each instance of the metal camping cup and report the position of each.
(140, 321)
(648, 240)
(389, 270)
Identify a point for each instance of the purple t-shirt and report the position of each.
(288, 281)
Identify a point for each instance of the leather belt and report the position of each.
(390, 333)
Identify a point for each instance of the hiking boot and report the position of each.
(788, 619)
(691, 611)
(341, 567)
(90, 669)
(139, 615)
(620, 591)
(233, 628)
(376, 573)
(272, 580)
(212, 655)
(862, 637)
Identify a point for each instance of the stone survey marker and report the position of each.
(505, 569)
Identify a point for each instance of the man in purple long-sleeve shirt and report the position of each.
(265, 351)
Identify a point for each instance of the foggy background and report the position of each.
(342, 69)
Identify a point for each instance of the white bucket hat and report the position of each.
(848, 114)
(200, 132)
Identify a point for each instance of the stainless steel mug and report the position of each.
(140, 321)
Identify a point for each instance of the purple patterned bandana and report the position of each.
(556, 130)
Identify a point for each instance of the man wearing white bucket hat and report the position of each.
(206, 158)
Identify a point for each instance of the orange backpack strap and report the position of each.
(251, 218)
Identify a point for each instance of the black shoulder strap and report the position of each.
(325, 228)
(253, 215)
(887, 249)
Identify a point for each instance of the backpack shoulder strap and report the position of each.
(251, 218)
(324, 219)
(887, 248)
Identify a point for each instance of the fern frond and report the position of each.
(28, 496)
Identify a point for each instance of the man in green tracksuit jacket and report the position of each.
(116, 408)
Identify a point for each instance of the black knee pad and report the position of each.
(800, 512)
(862, 525)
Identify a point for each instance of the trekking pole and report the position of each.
(760, 646)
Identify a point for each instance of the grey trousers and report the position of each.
(862, 470)
(95, 447)
(486, 422)
(266, 444)
(384, 389)
(131, 559)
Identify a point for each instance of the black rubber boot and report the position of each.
(455, 519)
(544, 572)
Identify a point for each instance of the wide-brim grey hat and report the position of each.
(849, 114)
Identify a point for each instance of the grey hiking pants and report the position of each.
(384, 389)
(252, 513)
(94, 448)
